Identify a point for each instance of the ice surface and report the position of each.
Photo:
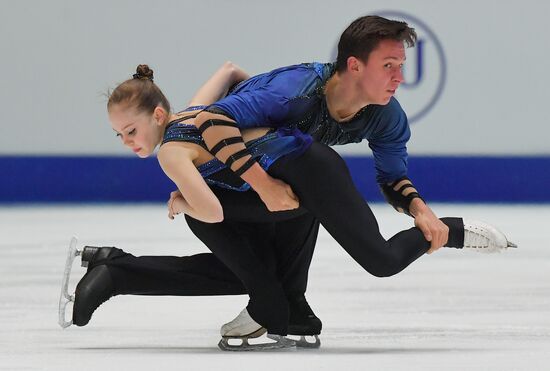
(453, 310)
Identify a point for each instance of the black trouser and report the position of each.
(272, 262)
(268, 259)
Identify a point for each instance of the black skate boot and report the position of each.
(94, 255)
(96, 287)
(303, 322)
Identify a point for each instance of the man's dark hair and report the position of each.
(365, 33)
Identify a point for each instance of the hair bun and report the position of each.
(143, 72)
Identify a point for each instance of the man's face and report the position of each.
(379, 78)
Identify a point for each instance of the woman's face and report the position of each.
(139, 131)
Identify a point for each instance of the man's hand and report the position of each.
(434, 230)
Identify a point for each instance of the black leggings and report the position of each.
(321, 180)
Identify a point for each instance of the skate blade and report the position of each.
(255, 334)
(494, 249)
(281, 342)
(509, 245)
(304, 343)
(65, 298)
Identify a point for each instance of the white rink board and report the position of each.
(60, 57)
(453, 310)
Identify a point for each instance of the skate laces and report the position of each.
(476, 238)
(484, 237)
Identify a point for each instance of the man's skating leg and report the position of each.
(286, 248)
(230, 242)
(294, 245)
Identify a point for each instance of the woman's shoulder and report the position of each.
(173, 153)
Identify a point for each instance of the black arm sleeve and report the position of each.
(400, 198)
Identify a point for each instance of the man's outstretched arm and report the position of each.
(404, 197)
(389, 147)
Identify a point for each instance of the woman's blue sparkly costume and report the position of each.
(265, 150)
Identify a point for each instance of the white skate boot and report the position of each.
(483, 237)
(243, 328)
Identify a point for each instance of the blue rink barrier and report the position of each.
(63, 179)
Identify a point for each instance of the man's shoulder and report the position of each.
(391, 112)
(378, 120)
(393, 107)
(321, 70)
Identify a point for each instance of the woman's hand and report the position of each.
(175, 204)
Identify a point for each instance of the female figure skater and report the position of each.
(275, 254)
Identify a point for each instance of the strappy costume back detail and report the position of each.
(265, 150)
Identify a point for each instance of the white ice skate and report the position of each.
(483, 237)
(243, 328)
(65, 298)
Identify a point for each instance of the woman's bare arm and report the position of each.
(199, 200)
(218, 84)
